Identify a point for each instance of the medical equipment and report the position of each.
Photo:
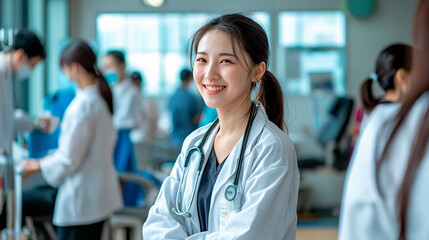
(231, 190)
(7, 168)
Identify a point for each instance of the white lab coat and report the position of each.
(82, 167)
(364, 213)
(265, 206)
(127, 105)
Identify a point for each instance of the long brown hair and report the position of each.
(389, 61)
(78, 51)
(417, 86)
(252, 38)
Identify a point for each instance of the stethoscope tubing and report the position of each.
(200, 152)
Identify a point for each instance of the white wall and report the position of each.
(57, 31)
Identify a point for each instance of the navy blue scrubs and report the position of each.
(208, 180)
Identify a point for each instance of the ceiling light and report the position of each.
(154, 3)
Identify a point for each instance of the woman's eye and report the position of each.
(200, 60)
(225, 61)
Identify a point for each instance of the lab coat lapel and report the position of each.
(190, 181)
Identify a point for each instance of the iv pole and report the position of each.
(12, 231)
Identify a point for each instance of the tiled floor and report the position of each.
(316, 233)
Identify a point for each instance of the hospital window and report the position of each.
(155, 44)
(311, 52)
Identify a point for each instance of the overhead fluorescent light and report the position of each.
(154, 3)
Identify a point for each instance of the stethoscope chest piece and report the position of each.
(230, 192)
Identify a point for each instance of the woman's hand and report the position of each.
(44, 124)
(30, 167)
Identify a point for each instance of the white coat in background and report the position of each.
(127, 105)
(365, 214)
(265, 206)
(82, 167)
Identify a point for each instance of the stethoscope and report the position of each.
(231, 190)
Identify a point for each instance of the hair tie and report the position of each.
(373, 76)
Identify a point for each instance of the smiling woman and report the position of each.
(239, 184)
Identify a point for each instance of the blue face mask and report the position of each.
(66, 82)
(23, 72)
(111, 77)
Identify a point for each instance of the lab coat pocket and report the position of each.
(227, 207)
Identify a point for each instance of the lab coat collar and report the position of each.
(90, 90)
(122, 86)
(258, 124)
(207, 147)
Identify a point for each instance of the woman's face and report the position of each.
(222, 77)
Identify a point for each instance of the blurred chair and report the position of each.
(318, 172)
(163, 152)
(38, 209)
(134, 217)
(331, 135)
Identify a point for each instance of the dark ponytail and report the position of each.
(389, 61)
(369, 102)
(271, 96)
(251, 38)
(104, 89)
(78, 51)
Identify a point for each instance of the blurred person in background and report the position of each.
(82, 167)
(185, 109)
(385, 194)
(148, 117)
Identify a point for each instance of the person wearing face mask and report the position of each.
(25, 54)
(21, 59)
(126, 100)
(82, 166)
